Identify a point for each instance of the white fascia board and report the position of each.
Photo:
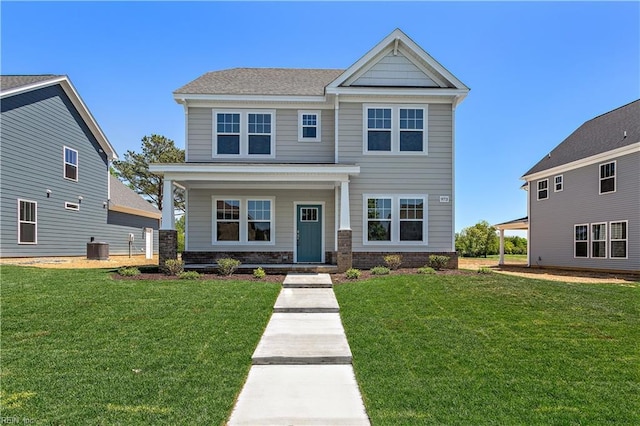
(397, 91)
(255, 177)
(183, 97)
(514, 226)
(598, 158)
(37, 85)
(135, 212)
(247, 168)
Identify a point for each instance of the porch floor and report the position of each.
(277, 268)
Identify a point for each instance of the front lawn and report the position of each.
(81, 348)
(494, 349)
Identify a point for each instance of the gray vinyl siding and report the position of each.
(552, 221)
(200, 217)
(402, 174)
(36, 125)
(393, 71)
(288, 149)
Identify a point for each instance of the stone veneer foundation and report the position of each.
(368, 260)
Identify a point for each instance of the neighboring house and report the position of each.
(320, 165)
(584, 197)
(56, 191)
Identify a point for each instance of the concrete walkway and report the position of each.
(302, 373)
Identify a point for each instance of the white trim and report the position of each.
(614, 176)
(336, 130)
(186, 132)
(606, 231)
(626, 240)
(186, 220)
(544, 189)
(318, 125)
(295, 228)
(243, 136)
(395, 220)
(148, 243)
(64, 163)
(35, 223)
(555, 183)
(243, 220)
(395, 129)
(181, 98)
(399, 91)
(453, 177)
(588, 240)
(598, 158)
(134, 211)
(71, 206)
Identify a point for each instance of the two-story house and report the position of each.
(584, 197)
(56, 193)
(319, 165)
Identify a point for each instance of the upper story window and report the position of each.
(309, 126)
(27, 222)
(608, 177)
(244, 134)
(395, 129)
(70, 164)
(543, 189)
(558, 183)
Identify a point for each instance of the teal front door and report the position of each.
(309, 233)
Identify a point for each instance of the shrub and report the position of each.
(393, 261)
(426, 270)
(438, 262)
(189, 275)
(128, 271)
(173, 267)
(227, 265)
(353, 274)
(485, 270)
(380, 270)
(259, 273)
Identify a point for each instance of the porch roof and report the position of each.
(263, 172)
(521, 224)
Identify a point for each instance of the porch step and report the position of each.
(303, 338)
(298, 280)
(306, 300)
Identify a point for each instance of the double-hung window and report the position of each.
(618, 236)
(395, 129)
(309, 126)
(399, 219)
(558, 184)
(243, 134)
(608, 177)
(543, 189)
(599, 240)
(243, 220)
(27, 222)
(70, 164)
(581, 241)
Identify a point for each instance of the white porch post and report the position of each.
(168, 214)
(501, 262)
(345, 216)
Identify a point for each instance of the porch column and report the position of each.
(501, 262)
(168, 214)
(167, 236)
(345, 256)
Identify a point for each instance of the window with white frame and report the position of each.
(27, 222)
(618, 237)
(243, 220)
(244, 133)
(558, 184)
(581, 241)
(309, 126)
(71, 206)
(608, 177)
(70, 164)
(395, 129)
(599, 240)
(397, 219)
(543, 189)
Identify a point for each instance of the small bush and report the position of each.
(259, 273)
(393, 261)
(485, 270)
(227, 265)
(353, 274)
(173, 267)
(426, 270)
(438, 262)
(380, 270)
(128, 271)
(189, 275)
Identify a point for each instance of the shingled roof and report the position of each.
(262, 81)
(124, 199)
(12, 81)
(601, 134)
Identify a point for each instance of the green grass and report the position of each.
(81, 348)
(494, 349)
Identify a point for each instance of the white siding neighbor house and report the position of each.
(584, 197)
(319, 166)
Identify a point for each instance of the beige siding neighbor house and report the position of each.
(319, 166)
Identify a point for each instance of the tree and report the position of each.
(478, 240)
(134, 169)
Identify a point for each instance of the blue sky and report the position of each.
(536, 70)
